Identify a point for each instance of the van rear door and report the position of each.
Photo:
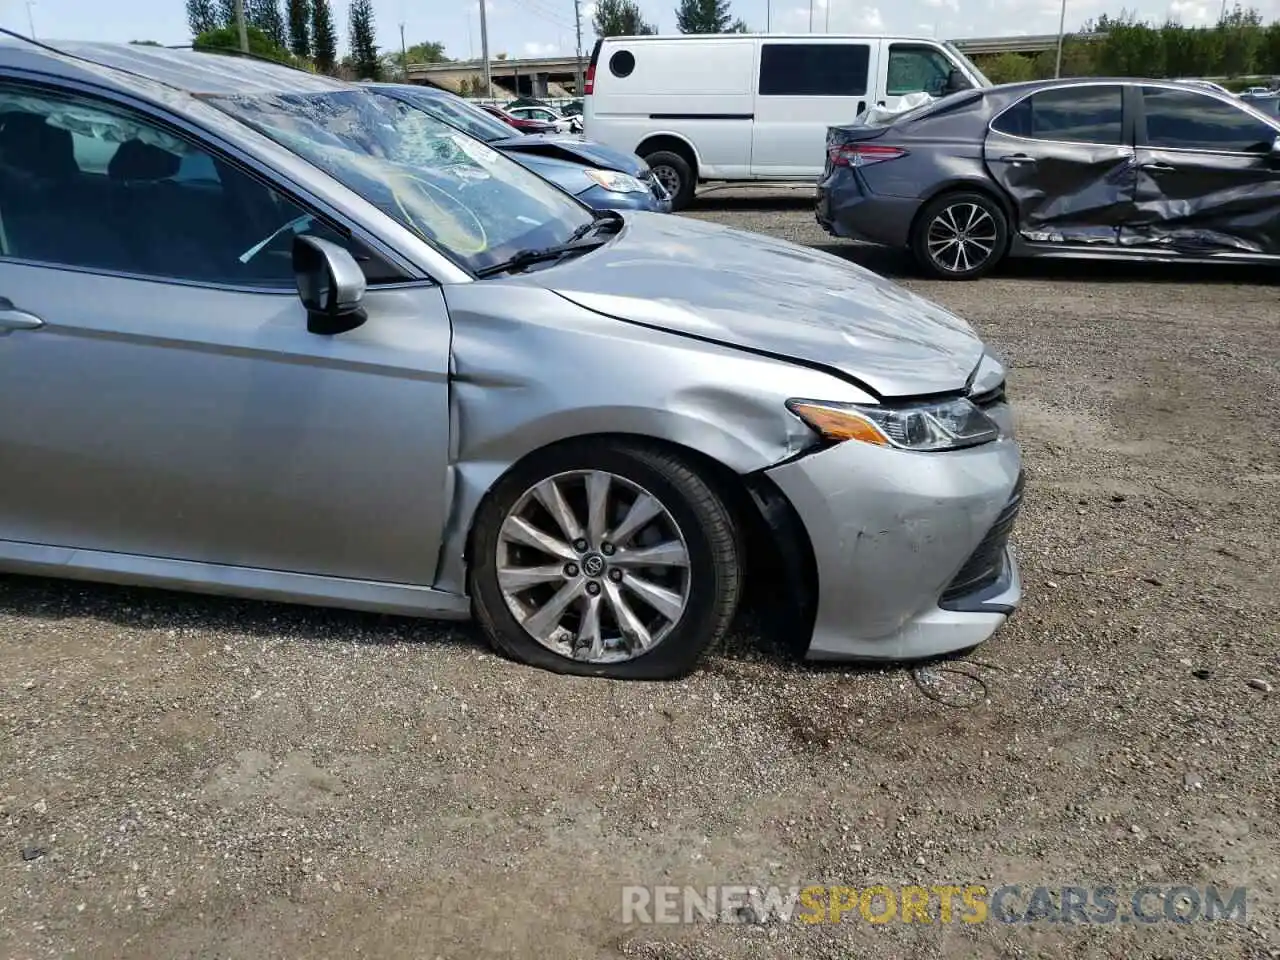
(803, 87)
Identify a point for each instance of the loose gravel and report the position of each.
(192, 777)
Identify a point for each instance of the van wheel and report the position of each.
(674, 173)
(606, 559)
(960, 236)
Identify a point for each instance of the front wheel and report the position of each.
(960, 236)
(609, 559)
(676, 176)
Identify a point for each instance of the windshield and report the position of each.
(459, 194)
(968, 64)
(459, 113)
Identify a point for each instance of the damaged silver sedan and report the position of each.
(270, 335)
(1116, 169)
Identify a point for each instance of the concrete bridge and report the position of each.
(539, 76)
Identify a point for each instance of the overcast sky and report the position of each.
(522, 28)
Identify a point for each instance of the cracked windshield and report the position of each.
(473, 202)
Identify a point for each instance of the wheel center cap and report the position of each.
(593, 564)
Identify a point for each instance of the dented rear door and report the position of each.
(1065, 157)
(1208, 176)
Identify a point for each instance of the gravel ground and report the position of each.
(191, 777)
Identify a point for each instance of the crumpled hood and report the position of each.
(751, 291)
(575, 148)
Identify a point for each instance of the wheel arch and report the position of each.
(776, 544)
(674, 142)
(964, 185)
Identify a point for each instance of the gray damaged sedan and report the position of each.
(270, 335)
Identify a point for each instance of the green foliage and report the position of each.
(707, 16)
(299, 16)
(364, 46)
(265, 15)
(228, 38)
(1239, 45)
(203, 16)
(428, 52)
(620, 18)
(1009, 68)
(324, 37)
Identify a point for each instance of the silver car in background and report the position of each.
(267, 334)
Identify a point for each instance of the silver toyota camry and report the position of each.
(270, 335)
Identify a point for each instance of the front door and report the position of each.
(1064, 157)
(908, 68)
(1208, 177)
(804, 87)
(161, 394)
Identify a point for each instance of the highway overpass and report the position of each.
(536, 76)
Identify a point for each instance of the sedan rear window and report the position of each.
(1084, 114)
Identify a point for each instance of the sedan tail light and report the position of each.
(861, 154)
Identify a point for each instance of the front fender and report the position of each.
(531, 369)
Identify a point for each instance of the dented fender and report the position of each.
(530, 369)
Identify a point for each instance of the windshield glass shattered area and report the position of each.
(451, 189)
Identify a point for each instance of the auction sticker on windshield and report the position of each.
(476, 150)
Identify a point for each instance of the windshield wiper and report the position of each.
(578, 240)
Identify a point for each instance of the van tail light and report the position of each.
(589, 84)
(862, 154)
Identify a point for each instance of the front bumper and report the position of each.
(654, 200)
(911, 548)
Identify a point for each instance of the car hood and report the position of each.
(578, 149)
(757, 293)
(565, 175)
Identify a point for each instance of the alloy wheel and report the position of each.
(593, 566)
(961, 237)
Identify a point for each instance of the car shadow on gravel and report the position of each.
(138, 608)
(740, 203)
(897, 264)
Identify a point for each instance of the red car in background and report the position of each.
(524, 126)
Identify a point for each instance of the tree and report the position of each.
(620, 18)
(1009, 68)
(324, 38)
(228, 38)
(300, 27)
(707, 16)
(364, 46)
(427, 52)
(202, 16)
(265, 15)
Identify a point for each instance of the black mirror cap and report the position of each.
(331, 285)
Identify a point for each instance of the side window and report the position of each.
(1192, 121)
(83, 185)
(1084, 114)
(917, 70)
(814, 69)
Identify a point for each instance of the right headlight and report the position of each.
(928, 426)
(616, 182)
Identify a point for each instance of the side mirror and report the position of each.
(956, 81)
(330, 285)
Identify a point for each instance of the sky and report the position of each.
(525, 28)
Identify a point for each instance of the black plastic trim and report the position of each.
(702, 116)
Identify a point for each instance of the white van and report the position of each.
(751, 106)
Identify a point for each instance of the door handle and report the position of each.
(1017, 159)
(1158, 167)
(11, 318)
(862, 106)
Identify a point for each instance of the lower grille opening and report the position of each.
(986, 563)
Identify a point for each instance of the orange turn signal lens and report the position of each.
(834, 423)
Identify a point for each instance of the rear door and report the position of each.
(1207, 180)
(803, 88)
(1065, 158)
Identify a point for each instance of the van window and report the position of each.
(814, 69)
(917, 70)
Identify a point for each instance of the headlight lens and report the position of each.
(936, 425)
(616, 182)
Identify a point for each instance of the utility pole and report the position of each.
(404, 56)
(31, 18)
(484, 52)
(244, 33)
(827, 22)
(577, 26)
(768, 16)
(1062, 21)
(811, 16)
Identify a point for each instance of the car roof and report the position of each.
(194, 72)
